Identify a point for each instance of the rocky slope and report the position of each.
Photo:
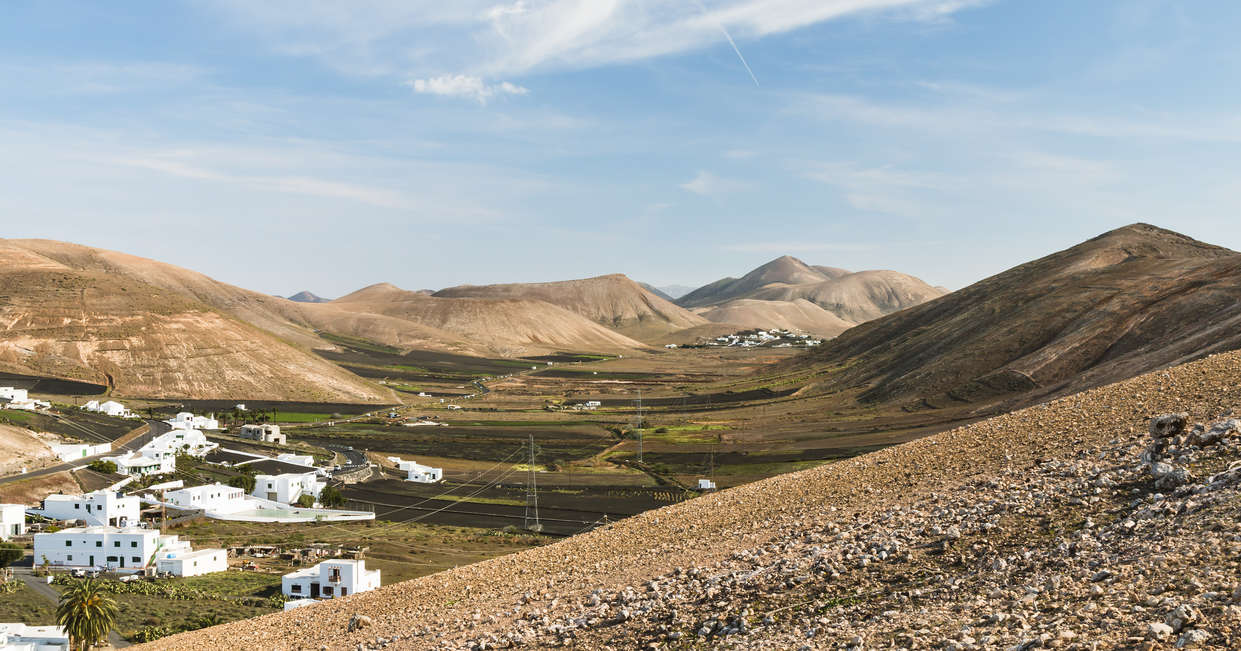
(149, 329)
(613, 301)
(1060, 525)
(1126, 302)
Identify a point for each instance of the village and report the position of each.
(119, 533)
(769, 338)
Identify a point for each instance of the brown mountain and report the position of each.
(154, 330)
(785, 270)
(307, 297)
(614, 301)
(498, 326)
(858, 297)
(1134, 299)
(799, 315)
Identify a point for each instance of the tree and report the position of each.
(86, 613)
(10, 553)
(106, 467)
(244, 482)
(306, 501)
(331, 497)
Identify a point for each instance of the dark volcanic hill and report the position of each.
(1134, 299)
(308, 297)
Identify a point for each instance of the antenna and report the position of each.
(532, 495)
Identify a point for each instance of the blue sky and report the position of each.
(285, 145)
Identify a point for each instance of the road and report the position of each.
(158, 427)
(354, 459)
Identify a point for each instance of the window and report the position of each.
(133, 544)
(112, 559)
(135, 559)
(327, 591)
(99, 543)
(116, 543)
(77, 506)
(296, 587)
(68, 543)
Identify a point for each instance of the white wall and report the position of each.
(286, 488)
(317, 582)
(195, 563)
(101, 508)
(12, 520)
(103, 547)
(214, 497)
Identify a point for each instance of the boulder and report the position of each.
(1168, 425)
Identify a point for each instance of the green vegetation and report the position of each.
(24, 605)
(359, 343)
(86, 613)
(331, 497)
(301, 417)
(106, 467)
(244, 482)
(10, 553)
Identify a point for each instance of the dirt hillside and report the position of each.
(153, 330)
(785, 270)
(614, 301)
(798, 315)
(1050, 526)
(1131, 300)
(22, 448)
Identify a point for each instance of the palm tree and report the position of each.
(86, 613)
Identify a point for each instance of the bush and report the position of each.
(10, 553)
(331, 497)
(244, 482)
(99, 465)
(306, 501)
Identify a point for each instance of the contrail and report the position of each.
(732, 43)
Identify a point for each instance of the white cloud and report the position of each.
(465, 86)
(708, 184)
(488, 38)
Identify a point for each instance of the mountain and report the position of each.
(307, 297)
(494, 325)
(784, 282)
(858, 297)
(658, 292)
(613, 301)
(785, 270)
(149, 329)
(672, 292)
(798, 315)
(1131, 300)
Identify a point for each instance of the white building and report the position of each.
(330, 579)
(213, 498)
(103, 508)
(12, 522)
(9, 394)
(297, 459)
(266, 433)
(706, 485)
(288, 487)
(130, 549)
(298, 603)
(73, 451)
(186, 420)
(178, 441)
(135, 464)
(415, 471)
(20, 637)
(109, 408)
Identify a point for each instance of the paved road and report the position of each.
(158, 427)
(354, 459)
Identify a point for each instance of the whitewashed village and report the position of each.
(119, 533)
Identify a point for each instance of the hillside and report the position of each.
(154, 330)
(613, 301)
(1132, 300)
(1033, 529)
(307, 297)
(852, 297)
(797, 315)
(502, 326)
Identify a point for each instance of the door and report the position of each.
(92, 560)
(314, 590)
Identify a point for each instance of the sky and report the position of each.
(324, 145)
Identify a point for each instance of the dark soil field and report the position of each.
(222, 406)
(485, 443)
(52, 386)
(76, 424)
(419, 365)
(568, 358)
(702, 400)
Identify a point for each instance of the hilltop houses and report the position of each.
(186, 420)
(330, 579)
(417, 472)
(265, 433)
(12, 522)
(109, 408)
(160, 455)
(101, 508)
(124, 549)
(287, 488)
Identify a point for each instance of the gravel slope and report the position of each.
(1010, 533)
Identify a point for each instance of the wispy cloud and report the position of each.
(708, 184)
(465, 86)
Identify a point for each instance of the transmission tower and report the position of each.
(532, 494)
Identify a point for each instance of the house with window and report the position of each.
(133, 464)
(215, 499)
(266, 433)
(124, 550)
(417, 472)
(186, 420)
(103, 508)
(12, 522)
(75, 451)
(178, 441)
(330, 579)
(288, 487)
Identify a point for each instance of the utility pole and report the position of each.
(532, 495)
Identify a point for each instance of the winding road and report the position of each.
(156, 428)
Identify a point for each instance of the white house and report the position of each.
(213, 498)
(72, 451)
(103, 508)
(9, 394)
(330, 579)
(266, 433)
(110, 408)
(129, 549)
(186, 420)
(20, 637)
(415, 471)
(135, 464)
(706, 485)
(178, 441)
(12, 522)
(288, 487)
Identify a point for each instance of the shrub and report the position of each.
(244, 482)
(99, 465)
(306, 501)
(331, 497)
(10, 553)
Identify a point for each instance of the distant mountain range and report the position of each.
(307, 297)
